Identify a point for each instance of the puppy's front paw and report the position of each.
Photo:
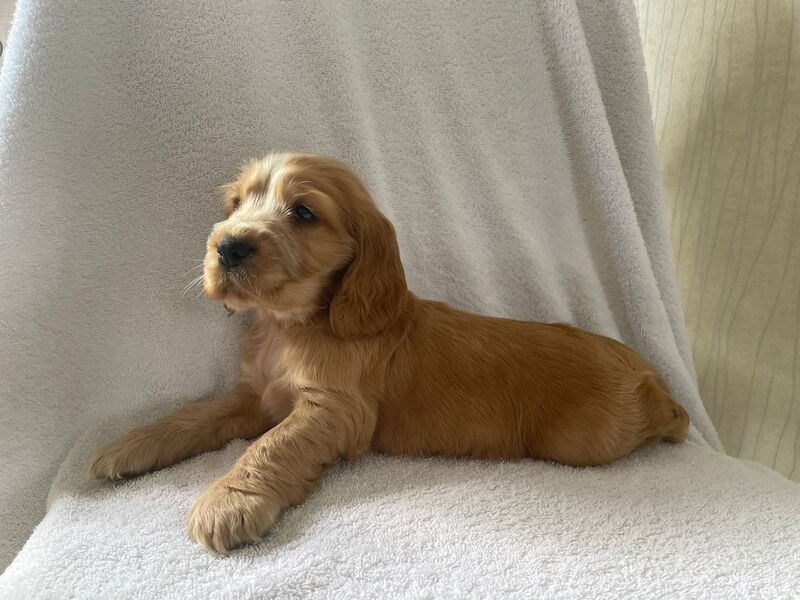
(128, 455)
(228, 514)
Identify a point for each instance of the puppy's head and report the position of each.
(302, 236)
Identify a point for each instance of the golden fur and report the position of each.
(341, 358)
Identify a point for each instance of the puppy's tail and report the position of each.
(667, 419)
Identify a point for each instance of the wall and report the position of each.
(725, 93)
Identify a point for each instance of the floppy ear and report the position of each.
(373, 292)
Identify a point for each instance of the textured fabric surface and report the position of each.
(512, 149)
(667, 522)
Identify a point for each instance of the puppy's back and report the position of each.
(464, 384)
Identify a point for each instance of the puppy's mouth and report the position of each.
(228, 285)
(239, 287)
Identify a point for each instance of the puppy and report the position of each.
(341, 358)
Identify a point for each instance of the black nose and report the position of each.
(232, 252)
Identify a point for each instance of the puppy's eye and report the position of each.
(302, 213)
(235, 203)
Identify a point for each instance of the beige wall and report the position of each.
(725, 90)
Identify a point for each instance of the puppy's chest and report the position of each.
(275, 354)
(294, 358)
(261, 354)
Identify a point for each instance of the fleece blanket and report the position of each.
(512, 148)
(685, 522)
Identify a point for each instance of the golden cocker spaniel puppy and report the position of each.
(341, 358)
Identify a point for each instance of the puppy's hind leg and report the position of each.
(197, 428)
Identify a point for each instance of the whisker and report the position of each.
(193, 259)
(196, 282)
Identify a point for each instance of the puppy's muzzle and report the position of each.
(233, 252)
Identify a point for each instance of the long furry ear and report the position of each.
(373, 292)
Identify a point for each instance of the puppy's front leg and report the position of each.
(197, 428)
(280, 468)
